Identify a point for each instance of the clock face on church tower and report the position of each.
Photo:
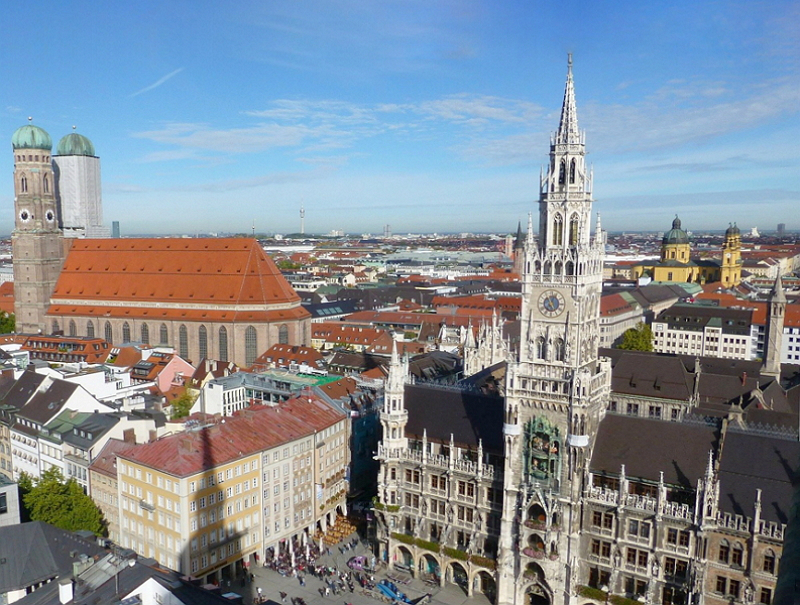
(551, 303)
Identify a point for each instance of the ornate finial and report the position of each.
(30, 118)
(569, 60)
(74, 127)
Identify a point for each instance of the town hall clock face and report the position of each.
(551, 303)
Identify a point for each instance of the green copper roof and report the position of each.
(676, 235)
(75, 144)
(31, 137)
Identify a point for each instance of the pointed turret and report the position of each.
(776, 312)
(520, 241)
(777, 294)
(568, 126)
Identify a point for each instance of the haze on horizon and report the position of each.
(428, 116)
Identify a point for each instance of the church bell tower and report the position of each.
(37, 243)
(557, 388)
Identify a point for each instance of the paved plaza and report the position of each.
(272, 584)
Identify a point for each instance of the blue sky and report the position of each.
(425, 115)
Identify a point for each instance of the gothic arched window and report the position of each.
(56, 327)
(126, 332)
(163, 335)
(223, 344)
(540, 348)
(90, 329)
(73, 329)
(283, 334)
(202, 340)
(562, 173)
(560, 349)
(46, 184)
(250, 345)
(145, 334)
(183, 342)
(573, 230)
(109, 334)
(558, 230)
(572, 171)
(23, 184)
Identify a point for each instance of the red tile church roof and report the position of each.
(214, 279)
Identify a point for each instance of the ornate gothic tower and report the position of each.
(731, 268)
(557, 389)
(776, 313)
(37, 243)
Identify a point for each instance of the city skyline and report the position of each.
(418, 115)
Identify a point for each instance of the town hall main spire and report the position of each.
(568, 126)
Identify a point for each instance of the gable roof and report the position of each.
(468, 416)
(174, 278)
(648, 447)
(751, 461)
(36, 551)
(248, 431)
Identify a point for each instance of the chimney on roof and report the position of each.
(65, 590)
(129, 436)
(744, 378)
(153, 435)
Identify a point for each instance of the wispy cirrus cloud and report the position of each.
(158, 82)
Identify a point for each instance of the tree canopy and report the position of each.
(182, 406)
(7, 323)
(639, 338)
(60, 502)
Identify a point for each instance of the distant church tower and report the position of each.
(557, 389)
(37, 243)
(731, 267)
(78, 189)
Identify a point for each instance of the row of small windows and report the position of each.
(250, 338)
(33, 158)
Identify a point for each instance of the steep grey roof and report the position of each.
(94, 427)
(753, 461)
(468, 416)
(36, 551)
(24, 389)
(649, 375)
(45, 405)
(647, 447)
(110, 579)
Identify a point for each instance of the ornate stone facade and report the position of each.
(557, 389)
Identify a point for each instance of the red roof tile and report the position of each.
(247, 432)
(232, 273)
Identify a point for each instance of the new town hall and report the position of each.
(555, 473)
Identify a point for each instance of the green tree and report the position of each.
(182, 406)
(62, 503)
(639, 338)
(7, 323)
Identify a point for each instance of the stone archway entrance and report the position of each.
(484, 582)
(458, 575)
(537, 595)
(429, 568)
(405, 557)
